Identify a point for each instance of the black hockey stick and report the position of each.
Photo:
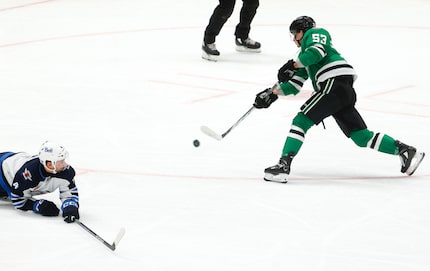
(110, 246)
(206, 130)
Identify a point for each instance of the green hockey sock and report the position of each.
(299, 127)
(388, 145)
(377, 141)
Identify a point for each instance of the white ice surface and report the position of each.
(121, 84)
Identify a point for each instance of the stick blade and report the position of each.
(208, 131)
(119, 236)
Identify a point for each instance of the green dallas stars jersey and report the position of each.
(320, 61)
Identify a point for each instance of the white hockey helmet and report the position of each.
(53, 152)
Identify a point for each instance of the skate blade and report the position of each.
(279, 178)
(247, 50)
(209, 57)
(419, 156)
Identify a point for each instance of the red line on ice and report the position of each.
(26, 5)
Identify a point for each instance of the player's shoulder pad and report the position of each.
(68, 174)
(316, 35)
(315, 30)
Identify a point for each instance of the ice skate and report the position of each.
(210, 52)
(279, 172)
(247, 45)
(410, 158)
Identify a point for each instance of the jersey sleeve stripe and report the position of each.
(17, 201)
(319, 48)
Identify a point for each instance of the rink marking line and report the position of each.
(356, 25)
(95, 34)
(224, 92)
(388, 91)
(406, 103)
(393, 112)
(26, 5)
(222, 79)
(121, 32)
(83, 171)
(377, 95)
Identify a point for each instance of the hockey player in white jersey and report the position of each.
(24, 176)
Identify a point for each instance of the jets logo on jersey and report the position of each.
(27, 174)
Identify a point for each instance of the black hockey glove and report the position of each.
(45, 208)
(265, 98)
(286, 72)
(70, 210)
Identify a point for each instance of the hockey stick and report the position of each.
(206, 130)
(110, 246)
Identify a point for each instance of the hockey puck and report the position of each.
(196, 143)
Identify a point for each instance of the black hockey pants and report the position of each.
(221, 14)
(336, 98)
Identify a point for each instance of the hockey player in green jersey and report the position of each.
(332, 79)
